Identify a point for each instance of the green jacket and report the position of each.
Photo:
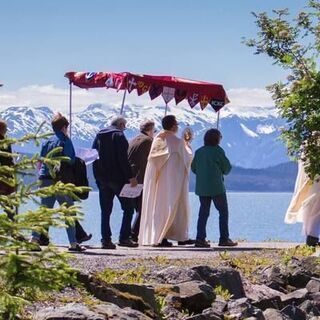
(209, 165)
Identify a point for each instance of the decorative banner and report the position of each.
(216, 104)
(204, 100)
(168, 94)
(180, 95)
(193, 99)
(142, 88)
(155, 91)
(132, 84)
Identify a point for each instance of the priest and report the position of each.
(165, 205)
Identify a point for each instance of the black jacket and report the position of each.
(113, 164)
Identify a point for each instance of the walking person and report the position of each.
(210, 164)
(112, 171)
(59, 139)
(165, 204)
(139, 149)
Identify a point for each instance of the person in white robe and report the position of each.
(165, 205)
(305, 206)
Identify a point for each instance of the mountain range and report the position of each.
(250, 138)
(250, 135)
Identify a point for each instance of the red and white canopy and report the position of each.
(169, 87)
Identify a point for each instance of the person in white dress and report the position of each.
(305, 206)
(165, 205)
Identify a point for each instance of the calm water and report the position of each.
(253, 217)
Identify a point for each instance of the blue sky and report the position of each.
(201, 40)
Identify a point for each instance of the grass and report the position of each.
(298, 252)
(223, 293)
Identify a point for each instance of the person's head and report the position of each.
(212, 137)
(3, 128)
(170, 123)
(119, 122)
(147, 127)
(59, 123)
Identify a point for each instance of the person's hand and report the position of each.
(133, 182)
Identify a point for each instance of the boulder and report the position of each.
(219, 306)
(196, 296)
(313, 285)
(212, 314)
(310, 308)
(241, 308)
(81, 312)
(296, 297)
(272, 314)
(225, 277)
(263, 297)
(274, 277)
(172, 307)
(294, 313)
(175, 275)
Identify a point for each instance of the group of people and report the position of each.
(161, 163)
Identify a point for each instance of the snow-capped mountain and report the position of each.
(250, 135)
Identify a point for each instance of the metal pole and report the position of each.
(123, 99)
(218, 118)
(70, 109)
(165, 112)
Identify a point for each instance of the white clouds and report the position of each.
(58, 98)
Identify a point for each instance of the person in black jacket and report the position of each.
(112, 171)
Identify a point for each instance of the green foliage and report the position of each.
(24, 273)
(224, 293)
(160, 304)
(130, 276)
(298, 252)
(294, 44)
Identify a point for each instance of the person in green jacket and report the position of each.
(210, 164)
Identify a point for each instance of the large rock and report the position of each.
(242, 309)
(294, 313)
(81, 312)
(175, 275)
(212, 314)
(219, 306)
(196, 296)
(138, 297)
(313, 285)
(296, 297)
(272, 314)
(172, 307)
(274, 277)
(225, 277)
(310, 308)
(263, 297)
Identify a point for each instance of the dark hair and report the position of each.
(146, 125)
(168, 122)
(212, 137)
(58, 122)
(3, 127)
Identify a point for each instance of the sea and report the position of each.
(252, 217)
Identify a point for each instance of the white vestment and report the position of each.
(165, 204)
(305, 204)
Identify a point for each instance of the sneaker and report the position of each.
(202, 244)
(128, 243)
(187, 242)
(164, 243)
(76, 248)
(109, 245)
(85, 238)
(227, 243)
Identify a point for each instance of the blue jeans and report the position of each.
(107, 192)
(221, 204)
(49, 203)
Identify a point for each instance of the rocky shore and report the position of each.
(189, 284)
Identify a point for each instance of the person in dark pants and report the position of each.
(112, 171)
(139, 149)
(210, 164)
(59, 139)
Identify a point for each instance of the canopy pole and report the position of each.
(218, 119)
(123, 100)
(70, 109)
(165, 111)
